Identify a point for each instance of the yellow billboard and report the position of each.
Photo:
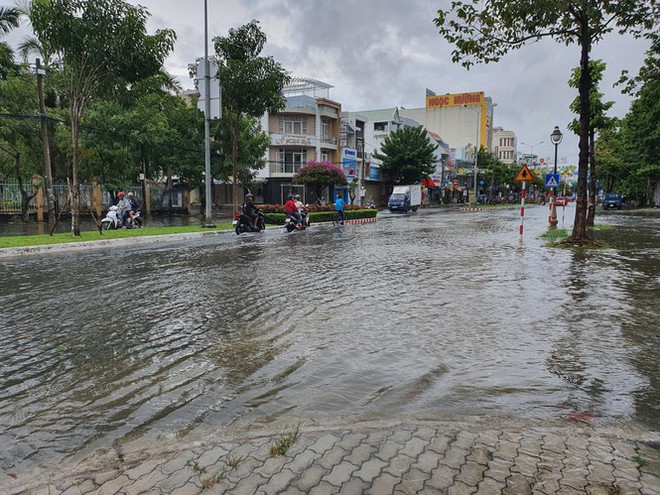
(455, 100)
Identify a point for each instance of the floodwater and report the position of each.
(436, 315)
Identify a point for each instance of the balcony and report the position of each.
(284, 169)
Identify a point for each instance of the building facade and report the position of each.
(308, 129)
(504, 145)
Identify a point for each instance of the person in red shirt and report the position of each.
(292, 210)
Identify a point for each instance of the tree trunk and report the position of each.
(25, 199)
(591, 214)
(75, 194)
(234, 129)
(580, 225)
(48, 174)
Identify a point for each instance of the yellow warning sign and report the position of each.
(525, 175)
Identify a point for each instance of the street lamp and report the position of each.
(476, 154)
(531, 148)
(555, 138)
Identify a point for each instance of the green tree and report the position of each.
(598, 121)
(251, 84)
(319, 175)
(19, 142)
(484, 32)
(407, 155)
(9, 19)
(104, 46)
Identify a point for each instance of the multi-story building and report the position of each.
(308, 129)
(504, 145)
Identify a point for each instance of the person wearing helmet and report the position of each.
(124, 207)
(250, 210)
(292, 210)
(134, 207)
(301, 208)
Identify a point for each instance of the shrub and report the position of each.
(321, 216)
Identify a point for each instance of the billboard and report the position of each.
(455, 100)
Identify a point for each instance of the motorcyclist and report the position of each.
(301, 208)
(292, 210)
(125, 207)
(134, 206)
(250, 210)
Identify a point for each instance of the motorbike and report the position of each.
(290, 223)
(113, 221)
(242, 223)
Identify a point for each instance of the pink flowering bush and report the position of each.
(319, 175)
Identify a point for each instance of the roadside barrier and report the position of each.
(360, 220)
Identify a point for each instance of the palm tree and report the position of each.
(9, 17)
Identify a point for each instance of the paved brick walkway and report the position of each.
(433, 458)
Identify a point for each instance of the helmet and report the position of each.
(120, 194)
(297, 196)
(130, 194)
(249, 195)
(290, 196)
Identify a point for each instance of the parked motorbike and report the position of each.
(113, 221)
(242, 223)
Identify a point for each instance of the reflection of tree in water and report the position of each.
(567, 360)
(638, 250)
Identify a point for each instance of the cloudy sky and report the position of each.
(385, 53)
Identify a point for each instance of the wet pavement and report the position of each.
(403, 327)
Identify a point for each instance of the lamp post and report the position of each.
(555, 138)
(476, 154)
(531, 148)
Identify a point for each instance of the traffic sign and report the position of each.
(551, 180)
(525, 175)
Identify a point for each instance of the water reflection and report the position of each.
(433, 315)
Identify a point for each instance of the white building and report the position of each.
(504, 145)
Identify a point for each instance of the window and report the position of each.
(325, 130)
(293, 125)
(380, 126)
(290, 161)
(325, 156)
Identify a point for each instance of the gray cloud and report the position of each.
(380, 54)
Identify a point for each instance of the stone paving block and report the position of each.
(244, 450)
(471, 473)
(370, 470)
(480, 454)
(576, 442)
(427, 461)
(249, 484)
(300, 445)
(331, 458)
(399, 465)
(599, 489)
(376, 437)
(414, 447)
(624, 449)
(554, 443)
(600, 452)
(145, 483)
(188, 489)
(212, 456)
(506, 450)
(385, 483)
(341, 473)
(465, 440)
(426, 433)
(488, 486)
(531, 445)
(324, 488)
(87, 486)
(278, 482)
(143, 468)
(628, 487)
(460, 488)
(172, 465)
(525, 466)
(409, 487)
(103, 476)
(401, 435)
(441, 443)
(455, 457)
(272, 465)
(351, 440)
(629, 474)
(360, 454)
(603, 473)
(431, 490)
(489, 438)
(176, 479)
(517, 484)
(245, 468)
(310, 478)
(115, 485)
(577, 481)
(388, 450)
(442, 477)
(292, 490)
(353, 487)
(302, 461)
(650, 483)
(326, 442)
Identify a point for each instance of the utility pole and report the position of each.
(48, 175)
(208, 220)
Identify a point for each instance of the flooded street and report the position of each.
(441, 314)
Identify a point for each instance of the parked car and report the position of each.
(561, 201)
(613, 200)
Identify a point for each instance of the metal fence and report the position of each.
(161, 198)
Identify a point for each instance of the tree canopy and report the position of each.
(407, 155)
(319, 175)
(483, 32)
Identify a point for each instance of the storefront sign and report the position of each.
(455, 100)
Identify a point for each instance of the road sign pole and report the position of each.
(522, 209)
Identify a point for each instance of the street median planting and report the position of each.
(317, 215)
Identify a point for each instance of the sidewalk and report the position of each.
(375, 458)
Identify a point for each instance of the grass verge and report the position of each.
(67, 238)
